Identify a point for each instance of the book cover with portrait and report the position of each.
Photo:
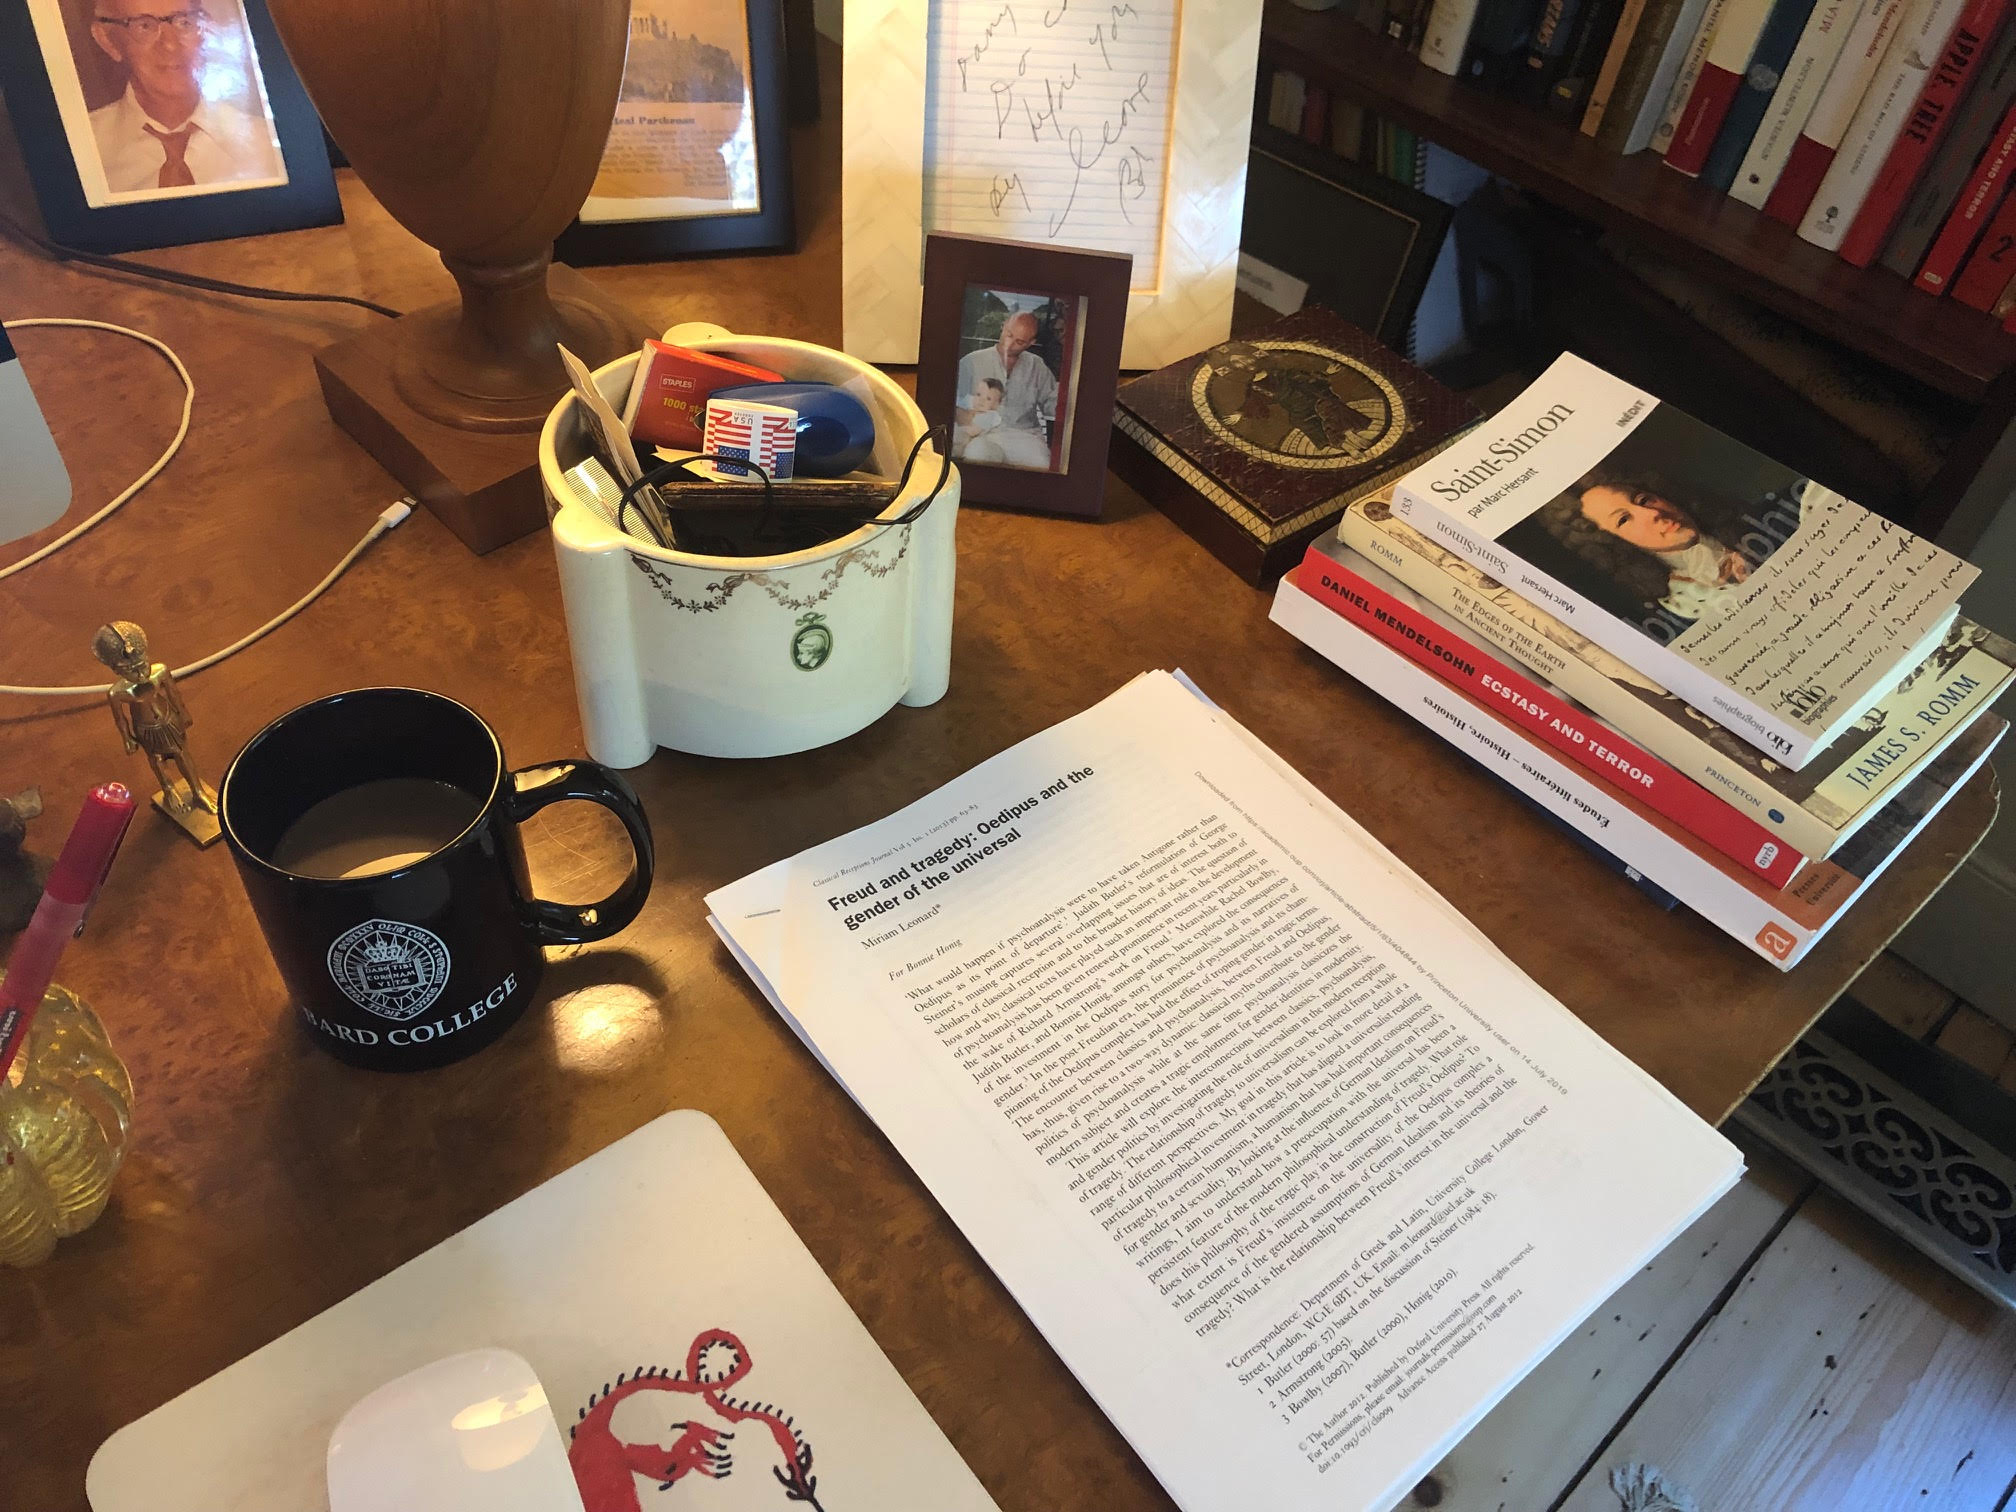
(1764, 597)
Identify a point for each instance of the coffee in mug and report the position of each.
(376, 834)
(375, 827)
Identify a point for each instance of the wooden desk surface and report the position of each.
(266, 1182)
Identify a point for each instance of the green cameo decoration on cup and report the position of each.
(812, 644)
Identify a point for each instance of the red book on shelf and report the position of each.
(1316, 114)
(1714, 92)
(1988, 271)
(1927, 123)
(1971, 211)
(1549, 717)
(1732, 42)
(1805, 166)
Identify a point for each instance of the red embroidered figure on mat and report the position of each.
(605, 1464)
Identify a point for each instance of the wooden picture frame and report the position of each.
(1363, 244)
(1019, 356)
(729, 93)
(84, 88)
(899, 55)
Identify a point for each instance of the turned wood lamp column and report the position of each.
(479, 124)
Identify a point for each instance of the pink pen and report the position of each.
(79, 872)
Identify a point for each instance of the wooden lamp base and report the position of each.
(481, 480)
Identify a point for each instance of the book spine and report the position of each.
(1715, 90)
(1804, 77)
(1740, 715)
(1696, 875)
(1688, 75)
(1987, 272)
(1659, 896)
(1284, 101)
(1656, 58)
(1569, 95)
(1315, 115)
(1950, 177)
(1548, 53)
(1691, 752)
(1522, 702)
(1446, 35)
(1886, 106)
(1813, 153)
(1347, 129)
(1820, 46)
(1761, 82)
(1496, 56)
(1977, 204)
(1923, 130)
(1605, 88)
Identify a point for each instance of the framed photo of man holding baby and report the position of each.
(149, 123)
(1018, 358)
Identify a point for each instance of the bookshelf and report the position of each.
(1872, 311)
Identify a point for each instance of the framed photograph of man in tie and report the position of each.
(148, 123)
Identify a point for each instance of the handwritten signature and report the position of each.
(1084, 157)
(979, 49)
(1040, 88)
(997, 195)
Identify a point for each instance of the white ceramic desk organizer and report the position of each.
(754, 656)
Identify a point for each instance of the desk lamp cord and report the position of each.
(385, 521)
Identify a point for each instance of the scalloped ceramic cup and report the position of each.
(754, 656)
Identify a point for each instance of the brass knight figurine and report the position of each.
(151, 717)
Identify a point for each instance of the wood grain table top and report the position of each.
(266, 1182)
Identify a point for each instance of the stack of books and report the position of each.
(1731, 679)
(1881, 130)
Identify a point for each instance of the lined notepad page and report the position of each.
(1048, 121)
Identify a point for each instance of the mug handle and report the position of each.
(532, 789)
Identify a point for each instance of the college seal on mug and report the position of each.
(393, 970)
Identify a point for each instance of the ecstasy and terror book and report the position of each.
(1764, 598)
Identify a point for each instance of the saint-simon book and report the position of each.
(1813, 810)
(1425, 678)
(1766, 599)
(1290, 1165)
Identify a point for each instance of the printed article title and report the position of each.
(945, 860)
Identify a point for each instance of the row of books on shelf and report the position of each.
(1743, 689)
(1881, 130)
(1317, 115)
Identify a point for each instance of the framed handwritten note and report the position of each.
(1115, 127)
(1053, 129)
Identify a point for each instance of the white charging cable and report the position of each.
(386, 520)
(181, 432)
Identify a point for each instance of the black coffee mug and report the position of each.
(429, 962)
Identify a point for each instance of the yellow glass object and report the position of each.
(65, 1109)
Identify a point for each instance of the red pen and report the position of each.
(73, 886)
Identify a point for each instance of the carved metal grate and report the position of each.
(1910, 1165)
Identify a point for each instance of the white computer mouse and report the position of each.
(470, 1433)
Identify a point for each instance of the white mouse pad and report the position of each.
(761, 1388)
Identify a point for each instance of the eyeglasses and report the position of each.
(184, 24)
(775, 527)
